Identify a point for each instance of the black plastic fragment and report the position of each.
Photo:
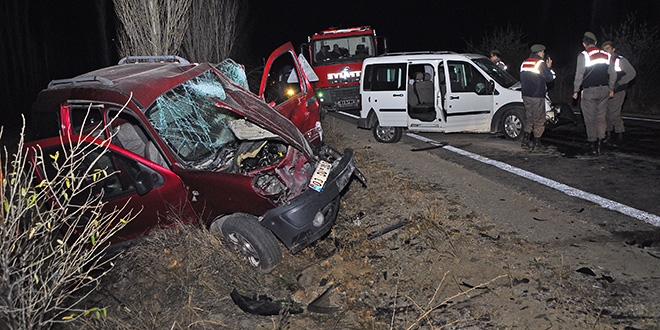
(263, 305)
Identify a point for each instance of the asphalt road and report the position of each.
(617, 190)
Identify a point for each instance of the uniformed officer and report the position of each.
(625, 73)
(535, 73)
(496, 57)
(595, 77)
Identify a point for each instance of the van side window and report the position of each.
(463, 77)
(385, 77)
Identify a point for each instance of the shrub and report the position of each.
(51, 248)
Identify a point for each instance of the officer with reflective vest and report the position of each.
(595, 76)
(496, 57)
(535, 74)
(625, 73)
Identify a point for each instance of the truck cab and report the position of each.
(336, 56)
(439, 92)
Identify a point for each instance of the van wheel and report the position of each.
(250, 239)
(386, 134)
(512, 123)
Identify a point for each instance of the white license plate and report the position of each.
(346, 103)
(320, 176)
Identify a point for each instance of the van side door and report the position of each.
(469, 104)
(384, 91)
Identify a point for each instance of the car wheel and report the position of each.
(512, 123)
(387, 134)
(254, 242)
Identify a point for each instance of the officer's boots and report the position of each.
(525, 141)
(617, 140)
(609, 137)
(594, 147)
(537, 144)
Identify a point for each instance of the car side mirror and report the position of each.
(491, 87)
(144, 182)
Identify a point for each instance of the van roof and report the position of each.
(421, 55)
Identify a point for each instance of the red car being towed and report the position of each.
(192, 137)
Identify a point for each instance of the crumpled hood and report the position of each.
(245, 103)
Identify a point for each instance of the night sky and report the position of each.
(71, 37)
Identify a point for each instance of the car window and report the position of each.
(385, 77)
(187, 118)
(86, 119)
(502, 77)
(283, 82)
(106, 174)
(465, 78)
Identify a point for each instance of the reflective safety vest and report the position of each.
(532, 65)
(617, 64)
(596, 63)
(594, 56)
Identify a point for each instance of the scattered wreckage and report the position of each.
(190, 141)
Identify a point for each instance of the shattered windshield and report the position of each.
(502, 77)
(189, 120)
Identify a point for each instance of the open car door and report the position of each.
(286, 86)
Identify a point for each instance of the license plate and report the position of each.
(347, 103)
(320, 176)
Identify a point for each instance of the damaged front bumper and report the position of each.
(311, 215)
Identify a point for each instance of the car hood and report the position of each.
(240, 100)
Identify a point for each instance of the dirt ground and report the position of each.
(416, 249)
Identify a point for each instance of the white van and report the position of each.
(441, 92)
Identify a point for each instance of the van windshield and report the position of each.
(502, 77)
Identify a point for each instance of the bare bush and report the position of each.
(151, 27)
(213, 30)
(53, 234)
(639, 42)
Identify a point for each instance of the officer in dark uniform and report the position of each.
(496, 57)
(535, 73)
(595, 76)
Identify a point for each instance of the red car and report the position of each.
(192, 139)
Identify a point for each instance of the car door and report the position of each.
(384, 90)
(136, 185)
(469, 103)
(286, 87)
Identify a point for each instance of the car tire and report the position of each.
(513, 123)
(250, 239)
(386, 134)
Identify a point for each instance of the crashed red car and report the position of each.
(192, 139)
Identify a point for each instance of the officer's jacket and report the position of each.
(534, 75)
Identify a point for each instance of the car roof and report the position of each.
(145, 81)
(422, 55)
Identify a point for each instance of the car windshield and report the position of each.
(502, 77)
(343, 50)
(189, 120)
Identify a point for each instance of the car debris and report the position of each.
(263, 305)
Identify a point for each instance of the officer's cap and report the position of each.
(591, 36)
(537, 48)
(606, 43)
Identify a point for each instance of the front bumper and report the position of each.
(293, 223)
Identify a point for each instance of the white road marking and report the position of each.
(568, 190)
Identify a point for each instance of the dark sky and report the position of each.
(69, 37)
(445, 25)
